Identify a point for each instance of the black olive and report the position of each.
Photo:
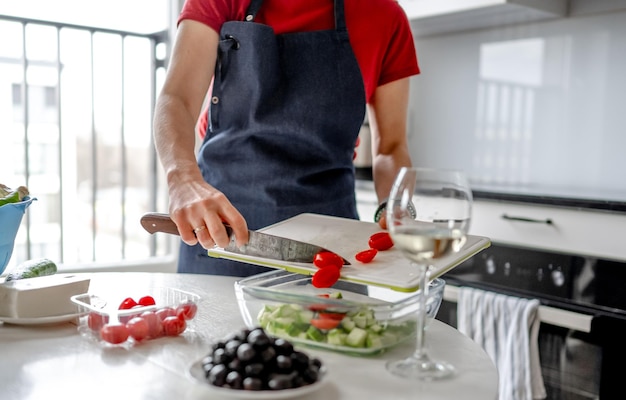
(231, 347)
(220, 356)
(299, 360)
(268, 354)
(283, 347)
(236, 365)
(310, 374)
(251, 383)
(283, 363)
(234, 379)
(280, 382)
(258, 338)
(246, 352)
(217, 376)
(207, 368)
(254, 369)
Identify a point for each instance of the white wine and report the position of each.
(420, 244)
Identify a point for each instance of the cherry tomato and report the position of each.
(187, 310)
(155, 325)
(138, 328)
(381, 241)
(127, 304)
(174, 326)
(366, 256)
(323, 323)
(326, 258)
(114, 333)
(326, 277)
(96, 321)
(165, 312)
(146, 301)
(337, 316)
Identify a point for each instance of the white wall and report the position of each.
(537, 107)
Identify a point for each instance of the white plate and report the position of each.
(40, 320)
(197, 373)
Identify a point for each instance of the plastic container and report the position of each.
(97, 313)
(347, 318)
(10, 219)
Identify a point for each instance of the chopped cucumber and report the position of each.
(356, 338)
(358, 328)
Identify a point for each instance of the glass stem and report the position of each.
(420, 349)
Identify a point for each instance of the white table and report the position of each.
(54, 361)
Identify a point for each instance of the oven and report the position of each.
(583, 313)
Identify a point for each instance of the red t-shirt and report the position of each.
(379, 31)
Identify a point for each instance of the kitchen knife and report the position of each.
(259, 244)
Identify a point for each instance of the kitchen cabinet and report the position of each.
(430, 17)
(551, 228)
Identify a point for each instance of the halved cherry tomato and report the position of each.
(127, 304)
(326, 277)
(326, 258)
(366, 256)
(323, 323)
(381, 241)
(146, 301)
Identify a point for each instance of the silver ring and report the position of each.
(200, 228)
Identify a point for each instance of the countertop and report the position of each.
(55, 361)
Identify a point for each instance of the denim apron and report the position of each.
(284, 116)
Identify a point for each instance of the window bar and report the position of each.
(94, 152)
(60, 150)
(25, 117)
(123, 148)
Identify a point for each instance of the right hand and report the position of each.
(194, 205)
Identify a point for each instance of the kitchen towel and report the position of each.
(507, 328)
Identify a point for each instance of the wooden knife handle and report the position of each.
(159, 222)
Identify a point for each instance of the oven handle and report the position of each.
(549, 315)
(546, 221)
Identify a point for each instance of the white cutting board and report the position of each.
(347, 237)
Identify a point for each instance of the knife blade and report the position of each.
(259, 244)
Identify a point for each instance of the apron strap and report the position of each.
(340, 20)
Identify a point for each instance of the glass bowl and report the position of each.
(350, 318)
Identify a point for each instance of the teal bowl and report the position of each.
(10, 219)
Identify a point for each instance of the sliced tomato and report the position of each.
(366, 256)
(380, 241)
(336, 316)
(127, 304)
(325, 258)
(146, 301)
(326, 277)
(324, 323)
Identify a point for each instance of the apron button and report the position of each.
(249, 17)
(215, 99)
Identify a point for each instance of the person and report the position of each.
(289, 82)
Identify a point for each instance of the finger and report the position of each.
(204, 237)
(219, 235)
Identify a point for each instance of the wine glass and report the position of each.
(428, 216)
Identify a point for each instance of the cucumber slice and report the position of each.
(356, 338)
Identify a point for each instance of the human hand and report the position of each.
(199, 211)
